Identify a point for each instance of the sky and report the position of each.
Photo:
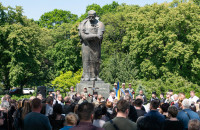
(35, 8)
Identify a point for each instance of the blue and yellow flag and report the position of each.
(118, 91)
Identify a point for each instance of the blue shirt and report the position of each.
(66, 127)
(156, 114)
(182, 116)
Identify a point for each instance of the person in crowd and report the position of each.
(168, 98)
(193, 98)
(49, 106)
(175, 97)
(131, 91)
(57, 93)
(172, 123)
(186, 114)
(4, 115)
(31, 98)
(83, 99)
(121, 121)
(67, 106)
(132, 111)
(40, 96)
(115, 87)
(162, 99)
(34, 120)
(153, 120)
(85, 114)
(163, 109)
(194, 125)
(97, 121)
(153, 97)
(171, 93)
(138, 106)
(141, 93)
(85, 93)
(154, 111)
(71, 93)
(127, 93)
(25, 110)
(70, 121)
(181, 97)
(60, 99)
(57, 119)
(76, 98)
(112, 96)
(193, 107)
(122, 90)
(95, 96)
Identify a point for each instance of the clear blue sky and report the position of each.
(35, 8)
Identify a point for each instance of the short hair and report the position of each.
(71, 119)
(49, 99)
(98, 113)
(57, 109)
(122, 106)
(186, 103)
(6, 97)
(173, 111)
(194, 124)
(36, 103)
(155, 103)
(165, 107)
(127, 97)
(138, 102)
(85, 110)
(193, 107)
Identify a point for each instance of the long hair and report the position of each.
(26, 108)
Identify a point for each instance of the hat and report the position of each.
(84, 88)
(115, 83)
(123, 83)
(72, 87)
(154, 92)
(129, 83)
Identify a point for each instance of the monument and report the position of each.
(91, 35)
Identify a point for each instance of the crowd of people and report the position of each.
(82, 111)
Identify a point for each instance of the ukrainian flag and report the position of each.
(118, 91)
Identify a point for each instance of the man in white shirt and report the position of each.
(193, 98)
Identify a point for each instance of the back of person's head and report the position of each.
(154, 104)
(36, 103)
(164, 107)
(71, 119)
(67, 100)
(122, 106)
(138, 102)
(172, 111)
(127, 98)
(85, 111)
(194, 125)
(97, 113)
(57, 109)
(49, 100)
(186, 103)
(26, 108)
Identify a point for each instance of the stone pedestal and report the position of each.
(100, 87)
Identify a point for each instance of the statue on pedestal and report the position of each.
(91, 34)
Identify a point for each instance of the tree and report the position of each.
(66, 80)
(56, 18)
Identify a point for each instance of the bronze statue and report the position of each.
(91, 34)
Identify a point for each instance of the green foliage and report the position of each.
(56, 18)
(66, 80)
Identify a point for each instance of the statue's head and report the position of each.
(91, 15)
